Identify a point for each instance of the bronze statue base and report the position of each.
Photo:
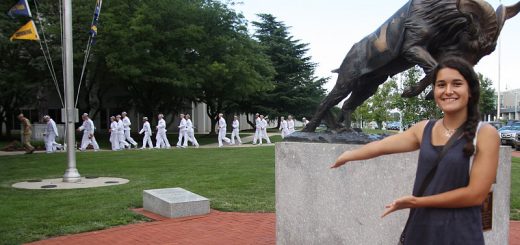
(354, 137)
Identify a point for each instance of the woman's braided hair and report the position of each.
(466, 70)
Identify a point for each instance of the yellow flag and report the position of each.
(26, 32)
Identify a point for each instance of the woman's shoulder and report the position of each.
(419, 127)
(487, 130)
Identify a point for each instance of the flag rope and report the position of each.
(47, 54)
(89, 46)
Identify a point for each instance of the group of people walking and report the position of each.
(287, 126)
(120, 128)
(120, 133)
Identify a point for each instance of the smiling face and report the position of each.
(451, 91)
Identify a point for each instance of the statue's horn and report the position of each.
(506, 12)
(512, 10)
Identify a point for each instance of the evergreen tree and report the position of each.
(296, 90)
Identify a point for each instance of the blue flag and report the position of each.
(93, 26)
(21, 8)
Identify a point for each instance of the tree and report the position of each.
(416, 108)
(23, 70)
(383, 99)
(296, 90)
(230, 67)
(487, 101)
(388, 97)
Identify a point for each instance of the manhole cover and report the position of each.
(49, 186)
(91, 177)
(34, 180)
(111, 182)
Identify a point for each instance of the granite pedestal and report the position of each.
(174, 202)
(319, 205)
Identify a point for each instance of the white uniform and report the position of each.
(290, 126)
(121, 135)
(191, 133)
(264, 131)
(114, 136)
(222, 132)
(147, 130)
(258, 131)
(305, 122)
(284, 128)
(235, 133)
(162, 140)
(51, 131)
(88, 135)
(126, 128)
(183, 133)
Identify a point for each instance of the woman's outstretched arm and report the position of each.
(409, 140)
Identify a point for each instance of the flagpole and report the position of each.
(499, 71)
(71, 174)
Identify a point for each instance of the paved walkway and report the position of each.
(514, 233)
(215, 228)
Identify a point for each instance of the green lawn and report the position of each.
(235, 179)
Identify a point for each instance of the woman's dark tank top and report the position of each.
(443, 226)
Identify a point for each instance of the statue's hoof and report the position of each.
(343, 130)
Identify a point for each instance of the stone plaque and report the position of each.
(487, 212)
(174, 202)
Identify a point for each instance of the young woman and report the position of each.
(448, 212)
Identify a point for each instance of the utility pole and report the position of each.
(71, 174)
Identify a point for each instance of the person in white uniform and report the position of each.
(305, 121)
(120, 129)
(114, 136)
(284, 127)
(88, 133)
(222, 130)
(236, 131)
(264, 130)
(191, 131)
(162, 140)
(147, 130)
(290, 124)
(126, 128)
(183, 132)
(258, 130)
(50, 134)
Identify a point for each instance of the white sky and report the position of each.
(331, 27)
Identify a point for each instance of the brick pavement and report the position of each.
(214, 228)
(514, 233)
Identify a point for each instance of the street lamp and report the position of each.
(516, 105)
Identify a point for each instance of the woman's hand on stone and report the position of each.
(339, 162)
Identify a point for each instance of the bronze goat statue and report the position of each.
(419, 33)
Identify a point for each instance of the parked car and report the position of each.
(393, 125)
(516, 142)
(509, 135)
